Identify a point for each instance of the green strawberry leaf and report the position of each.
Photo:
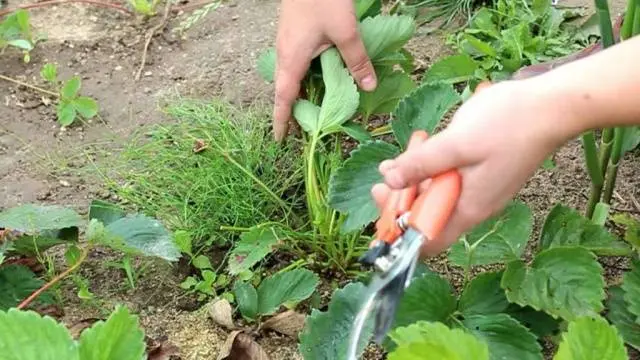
(505, 336)
(384, 34)
(632, 231)
(21, 44)
(85, 106)
(253, 246)
(367, 8)
(357, 131)
(66, 113)
(118, 338)
(307, 115)
(350, 185)
(139, 233)
(16, 283)
(451, 70)
(391, 88)
(105, 212)
(499, 239)
(567, 227)
(622, 318)
(539, 322)
(429, 298)
(324, 334)
(247, 299)
(26, 335)
(341, 96)
(435, 341)
(591, 338)
(285, 288)
(423, 109)
(32, 218)
(267, 64)
(49, 72)
(565, 282)
(631, 287)
(483, 295)
(70, 88)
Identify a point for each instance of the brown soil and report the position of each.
(104, 47)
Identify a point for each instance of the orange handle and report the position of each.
(398, 202)
(434, 206)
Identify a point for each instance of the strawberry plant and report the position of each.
(27, 335)
(30, 230)
(505, 312)
(337, 192)
(16, 31)
(70, 104)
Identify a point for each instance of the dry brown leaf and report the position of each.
(241, 346)
(77, 328)
(289, 323)
(221, 313)
(199, 145)
(161, 349)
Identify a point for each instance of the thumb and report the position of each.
(432, 157)
(357, 60)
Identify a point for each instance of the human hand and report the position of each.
(496, 140)
(307, 28)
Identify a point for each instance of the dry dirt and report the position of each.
(104, 47)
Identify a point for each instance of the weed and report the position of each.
(16, 31)
(146, 8)
(217, 166)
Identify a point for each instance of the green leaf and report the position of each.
(324, 336)
(451, 70)
(341, 96)
(350, 185)
(33, 244)
(632, 232)
(267, 64)
(422, 110)
(539, 322)
(622, 318)
(479, 46)
(118, 338)
(70, 88)
(105, 212)
(630, 139)
(285, 287)
(499, 239)
(253, 246)
(631, 287)
(85, 106)
(66, 113)
(28, 336)
(183, 241)
(483, 295)
(32, 218)
(366, 8)
(307, 115)
(247, 299)
(591, 338)
(72, 255)
(384, 34)
(16, 283)
(429, 297)
(483, 21)
(391, 88)
(505, 336)
(49, 72)
(144, 234)
(435, 341)
(21, 44)
(202, 262)
(567, 227)
(356, 131)
(565, 282)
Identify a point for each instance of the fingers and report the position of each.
(380, 193)
(357, 61)
(432, 157)
(292, 64)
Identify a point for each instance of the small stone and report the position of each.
(235, 17)
(148, 73)
(104, 194)
(147, 90)
(65, 183)
(118, 68)
(44, 196)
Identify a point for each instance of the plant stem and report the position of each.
(612, 171)
(45, 287)
(594, 169)
(606, 28)
(629, 20)
(59, 2)
(636, 23)
(33, 87)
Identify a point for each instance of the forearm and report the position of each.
(595, 92)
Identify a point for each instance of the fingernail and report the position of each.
(368, 83)
(385, 166)
(394, 179)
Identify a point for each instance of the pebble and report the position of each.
(65, 183)
(118, 68)
(148, 73)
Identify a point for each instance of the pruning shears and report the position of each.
(406, 221)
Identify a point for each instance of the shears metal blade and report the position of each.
(406, 221)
